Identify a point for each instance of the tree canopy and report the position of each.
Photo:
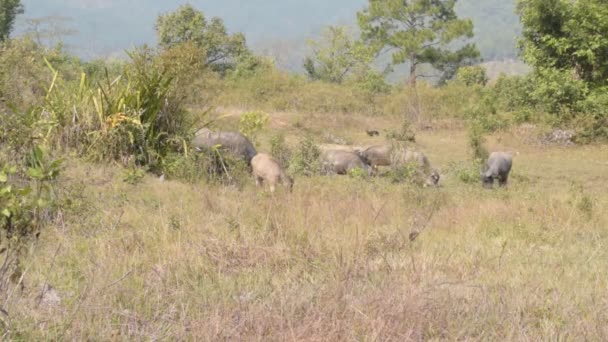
(567, 35)
(419, 32)
(188, 25)
(9, 9)
(336, 56)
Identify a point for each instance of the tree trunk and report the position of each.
(413, 65)
(414, 103)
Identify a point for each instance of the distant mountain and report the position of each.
(278, 27)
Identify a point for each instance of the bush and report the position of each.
(27, 202)
(407, 173)
(468, 173)
(476, 140)
(357, 173)
(557, 93)
(404, 134)
(306, 158)
(484, 113)
(251, 123)
(514, 93)
(279, 150)
(472, 75)
(209, 165)
(592, 122)
(23, 73)
(134, 117)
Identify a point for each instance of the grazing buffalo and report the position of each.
(233, 142)
(267, 169)
(336, 147)
(340, 162)
(377, 155)
(387, 155)
(498, 167)
(421, 162)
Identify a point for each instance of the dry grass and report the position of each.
(333, 260)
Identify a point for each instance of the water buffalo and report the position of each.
(387, 155)
(340, 162)
(336, 147)
(420, 161)
(377, 155)
(233, 142)
(498, 167)
(267, 169)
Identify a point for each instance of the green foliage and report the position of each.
(208, 165)
(357, 173)
(24, 75)
(9, 9)
(567, 36)
(193, 84)
(592, 123)
(557, 92)
(471, 75)
(467, 173)
(306, 158)
(134, 175)
(476, 140)
(134, 117)
(484, 114)
(406, 173)
(251, 123)
(565, 43)
(513, 93)
(279, 150)
(405, 133)
(27, 198)
(220, 50)
(337, 56)
(420, 32)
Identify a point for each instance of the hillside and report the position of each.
(108, 27)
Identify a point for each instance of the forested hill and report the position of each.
(279, 27)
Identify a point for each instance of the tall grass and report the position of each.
(130, 117)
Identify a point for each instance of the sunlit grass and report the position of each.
(338, 259)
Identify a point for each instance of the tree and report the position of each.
(419, 32)
(9, 9)
(336, 56)
(567, 35)
(188, 25)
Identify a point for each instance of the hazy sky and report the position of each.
(109, 26)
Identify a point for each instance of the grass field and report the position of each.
(338, 259)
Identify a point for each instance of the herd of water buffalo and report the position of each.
(341, 159)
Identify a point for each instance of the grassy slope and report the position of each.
(333, 261)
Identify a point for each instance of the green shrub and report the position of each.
(133, 117)
(306, 158)
(407, 173)
(27, 202)
(557, 92)
(208, 165)
(472, 75)
(468, 173)
(476, 141)
(405, 133)
(251, 123)
(592, 121)
(134, 175)
(279, 150)
(514, 93)
(357, 173)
